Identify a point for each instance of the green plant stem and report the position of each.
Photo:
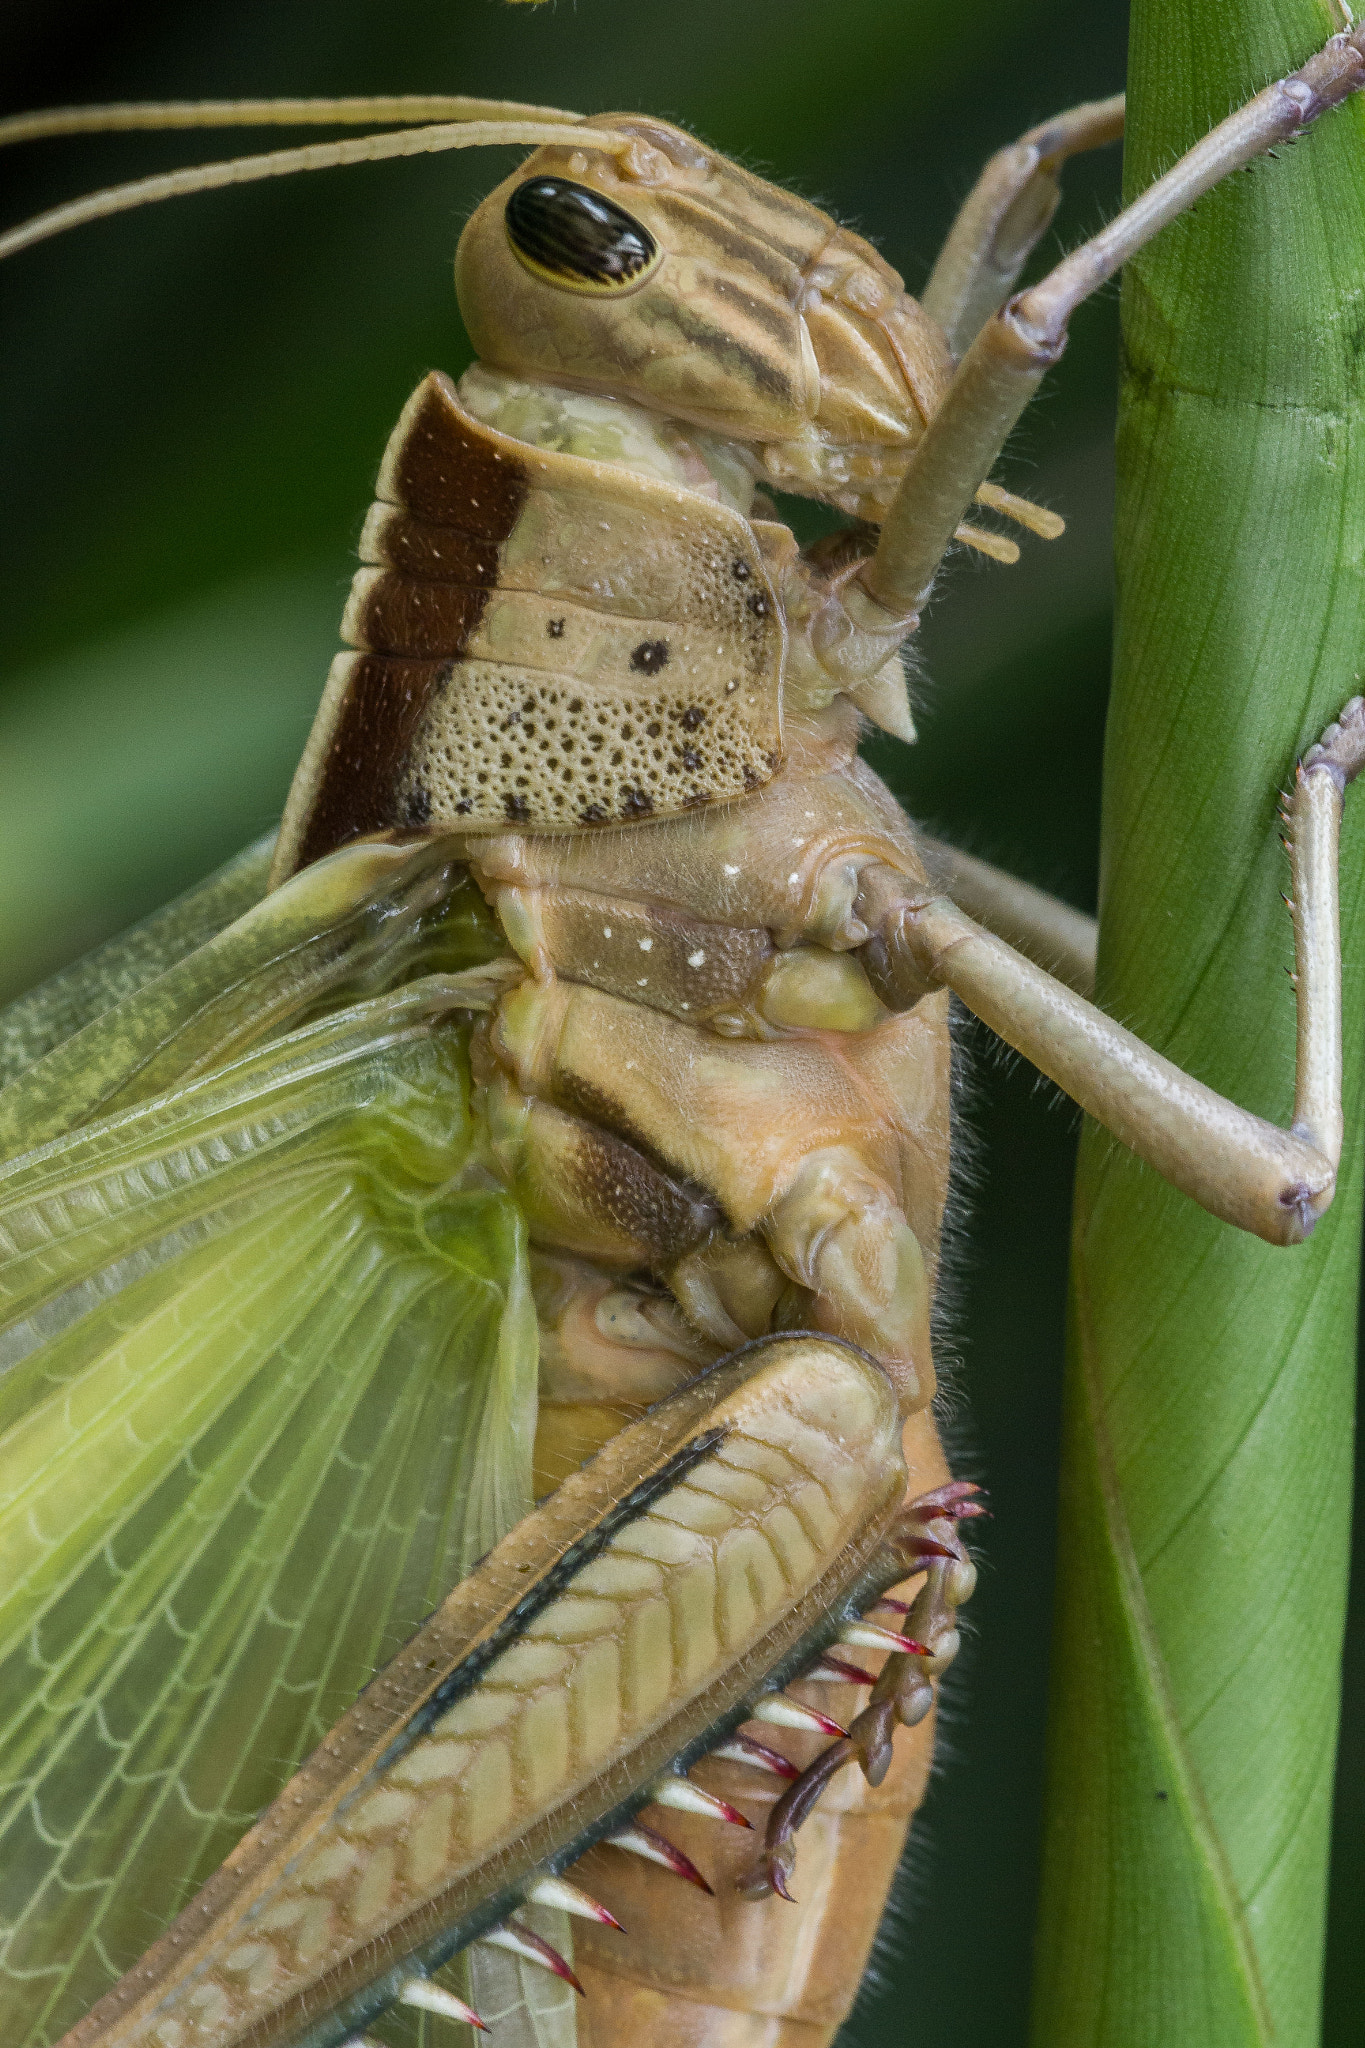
(1205, 1501)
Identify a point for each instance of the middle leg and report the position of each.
(1273, 1182)
(1041, 927)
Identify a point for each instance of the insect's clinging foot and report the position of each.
(1303, 1206)
(1341, 749)
(903, 1692)
(774, 1866)
(902, 1695)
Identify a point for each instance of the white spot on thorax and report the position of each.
(697, 959)
(646, 945)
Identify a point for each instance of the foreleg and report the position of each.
(1013, 351)
(1006, 214)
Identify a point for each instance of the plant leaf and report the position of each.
(1206, 1478)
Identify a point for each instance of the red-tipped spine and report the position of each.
(685, 1797)
(424, 1996)
(869, 1635)
(520, 1941)
(780, 1712)
(571, 1898)
(838, 1668)
(742, 1749)
(638, 1840)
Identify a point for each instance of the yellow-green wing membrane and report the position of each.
(267, 1378)
(36, 1023)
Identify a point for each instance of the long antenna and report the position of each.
(282, 163)
(404, 108)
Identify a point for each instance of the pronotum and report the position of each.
(581, 895)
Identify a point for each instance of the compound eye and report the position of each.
(575, 238)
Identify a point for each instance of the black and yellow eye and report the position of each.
(575, 238)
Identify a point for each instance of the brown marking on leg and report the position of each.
(578, 1095)
(587, 1191)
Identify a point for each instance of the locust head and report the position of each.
(656, 270)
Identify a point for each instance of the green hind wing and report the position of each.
(267, 1388)
(35, 1023)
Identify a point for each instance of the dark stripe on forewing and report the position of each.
(446, 477)
(557, 1579)
(406, 615)
(386, 703)
(441, 554)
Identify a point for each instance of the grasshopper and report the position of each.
(570, 1075)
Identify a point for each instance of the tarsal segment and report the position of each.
(544, 641)
(641, 1607)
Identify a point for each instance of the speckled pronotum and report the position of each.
(557, 1112)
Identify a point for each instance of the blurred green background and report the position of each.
(196, 400)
